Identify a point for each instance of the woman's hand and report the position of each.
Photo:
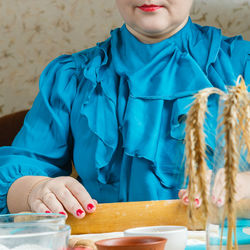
(61, 195)
(183, 193)
(242, 187)
(218, 191)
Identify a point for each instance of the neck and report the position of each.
(151, 38)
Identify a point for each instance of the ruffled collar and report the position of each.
(130, 54)
(170, 69)
(126, 81)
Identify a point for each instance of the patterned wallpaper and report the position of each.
(33, 32)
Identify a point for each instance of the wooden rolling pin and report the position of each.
(116, 217)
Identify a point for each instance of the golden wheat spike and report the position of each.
(195, 150)
(244, 114)
(236, 128)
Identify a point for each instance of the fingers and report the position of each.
(220, 200)
(81, 194)
(54, 205)
(185, 199)
(62, 195)
(48, 203)
(70, 203)
(218, 192)
(242, 186)
(183, 195)
(39, 207)
(242, 183)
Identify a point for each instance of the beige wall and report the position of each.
(33, 32)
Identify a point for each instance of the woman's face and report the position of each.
(154, 18)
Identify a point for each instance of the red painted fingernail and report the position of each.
(219, 201)
(90, 206)
(186, 200)
(62, 213)
(197, 201)
(47, 212)
(79, 212)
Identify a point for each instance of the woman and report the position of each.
(118, 111)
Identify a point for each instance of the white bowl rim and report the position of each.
(170, 229)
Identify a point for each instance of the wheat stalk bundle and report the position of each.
(235, 127)
(195, 150)
(235, 124)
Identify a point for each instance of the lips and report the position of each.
(149, 8)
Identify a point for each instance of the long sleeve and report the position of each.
(43, 145)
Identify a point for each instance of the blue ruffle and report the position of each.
(99, 105)
(143, 111)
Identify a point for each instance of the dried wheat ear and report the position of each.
(235, 126)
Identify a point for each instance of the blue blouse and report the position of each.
(118, 111)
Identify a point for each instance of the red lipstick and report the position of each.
(149, 8)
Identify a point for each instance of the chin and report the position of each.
(152, 30)
(152, 25)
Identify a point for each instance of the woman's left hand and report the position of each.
(218, 191)
(242, 187)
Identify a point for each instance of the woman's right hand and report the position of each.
(61, 195)
(183, 193)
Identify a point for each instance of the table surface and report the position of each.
(196, 239)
